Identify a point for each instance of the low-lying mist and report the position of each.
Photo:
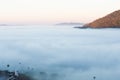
(57, 53)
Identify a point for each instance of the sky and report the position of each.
(55, 11)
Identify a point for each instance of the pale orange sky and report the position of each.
(54, 11)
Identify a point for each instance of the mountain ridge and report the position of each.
(111, 20)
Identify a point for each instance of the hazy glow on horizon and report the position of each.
(52, 11)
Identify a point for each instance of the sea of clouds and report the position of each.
(61, 53)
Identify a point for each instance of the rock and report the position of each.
(109, 21)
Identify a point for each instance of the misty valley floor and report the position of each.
(61, 52)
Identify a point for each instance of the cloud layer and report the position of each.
(62, 53)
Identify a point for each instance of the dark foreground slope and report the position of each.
(109, 21)
(7, 75)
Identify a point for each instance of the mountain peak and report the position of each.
(111, 20)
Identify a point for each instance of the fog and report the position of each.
(61, 52)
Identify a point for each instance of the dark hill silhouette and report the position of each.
(7, 75)
(109, 21)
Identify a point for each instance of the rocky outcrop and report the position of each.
(109, 21)
(7, 75)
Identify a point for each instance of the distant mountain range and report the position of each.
(70, 24)
(109, 21)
